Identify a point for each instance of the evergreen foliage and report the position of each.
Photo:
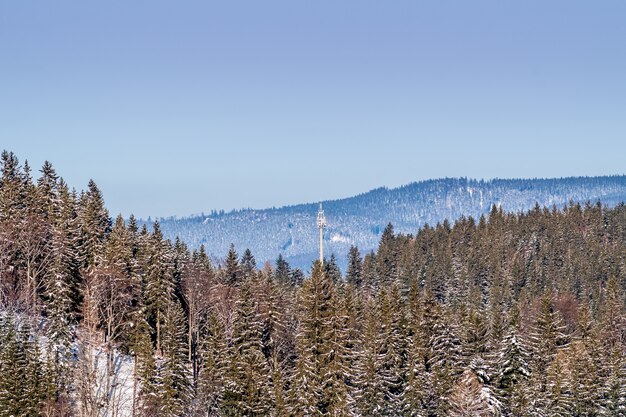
(510, 315)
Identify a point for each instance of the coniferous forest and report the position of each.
(505, 315)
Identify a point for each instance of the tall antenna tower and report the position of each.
(321, 223)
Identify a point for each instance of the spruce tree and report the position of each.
(232, 269)
(444, 357)
(61, 289)
(159, 280)
(282, 273)
(213, 366)
(387, 257)
(319, 383)
(174, 388)
(95, 224)
(248, 265)
(546, 338)
(332, 271)
(354, 273)
(613, 402)
(513, 372)
(247, 389)
(367, 397)
(472, 396)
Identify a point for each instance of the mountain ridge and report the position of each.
(358, 220)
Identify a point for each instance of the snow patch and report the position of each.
(339, 238)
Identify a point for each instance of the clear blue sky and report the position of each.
(178, 107)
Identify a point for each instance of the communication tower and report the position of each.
(321, 223)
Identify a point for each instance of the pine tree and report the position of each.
(159, 280)
(613, 401)
(336, 391)
(354, 274)
(11, 365)
(61, 289)
(332, 270)
(247, 390)
(558, 402)
(417, 384)
(180, 263)
(297, 276)
(546, 337)
(140, 347)
(282, 273)
(370, 281)
(514, 372)
(248, 265)
(472, 396)
(584, 370)
(387, 257)
(444, 357)
(23, 388)
(391, 356)
(95, 224)
(36, 391)
(583, 383)
(174, 374)
(213, 367)
(11, 190)
(232, 270)
(197, 282)
(319, 383)
(368, 402)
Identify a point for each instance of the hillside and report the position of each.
(360, 220)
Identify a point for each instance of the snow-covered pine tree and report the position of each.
(196, 283)
(213, 366)
(546, 338)
(557, 401)
(247, 381)
(94, 224)
(444, 357)
(391, 358)
(318, 387)
(513, 370)
(174, 388)
(336, 393)
(278, 343)
(472, 396)
(61, 289)
(366, 365)
(613, 401)
(584, 366)
(370, 280)
(415, 388)
(159, 286)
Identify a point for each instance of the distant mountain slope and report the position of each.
(359, 220)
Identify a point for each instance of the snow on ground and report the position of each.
(120, 391)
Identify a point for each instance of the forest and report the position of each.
(360, 220)
(508, 314)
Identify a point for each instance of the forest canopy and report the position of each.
(510, 314)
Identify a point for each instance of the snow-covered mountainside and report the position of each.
(359, 220)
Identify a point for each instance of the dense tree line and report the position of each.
(507, 315)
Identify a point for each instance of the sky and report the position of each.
(181, 107)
